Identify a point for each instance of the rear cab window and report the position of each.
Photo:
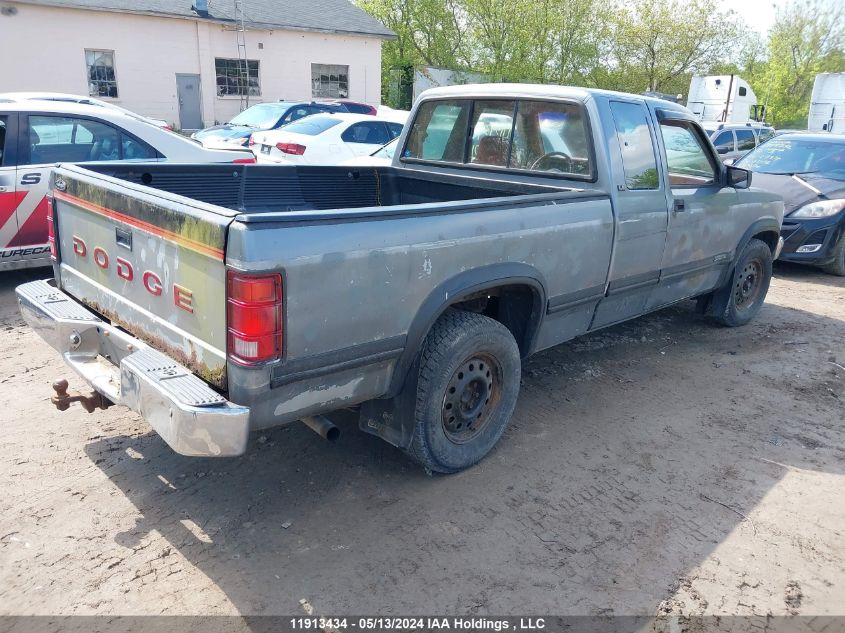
(508, 134)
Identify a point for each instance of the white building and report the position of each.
(170, 60)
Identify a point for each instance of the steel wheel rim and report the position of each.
(471, 397)
(749, 281)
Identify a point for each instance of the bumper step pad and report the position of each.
(180, 383)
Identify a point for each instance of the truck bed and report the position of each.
(270, 188)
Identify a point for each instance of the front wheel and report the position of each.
(740, 302)
(837, 266)
(466, 393)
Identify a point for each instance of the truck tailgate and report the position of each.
(149, 261)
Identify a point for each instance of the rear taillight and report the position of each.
(51, 227)
(245, 161)
(291, 148)
(254, 311)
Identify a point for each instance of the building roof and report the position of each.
(325, 16)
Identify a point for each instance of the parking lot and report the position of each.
(667, 465)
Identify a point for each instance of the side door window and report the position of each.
(367, 133)
(102, 141)
(724, 142)
(745, 140)
(638, 159)
(765, 134)
(394, 129)
(687, 160)
(55, 139)
(3, 136)
(133, 149)
(296, 113)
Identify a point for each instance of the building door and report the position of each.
(190, 105)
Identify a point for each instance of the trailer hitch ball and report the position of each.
(62, 399)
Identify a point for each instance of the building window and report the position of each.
(102, 81)
(233, 78)
(329, 81)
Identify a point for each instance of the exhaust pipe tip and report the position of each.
(332, 434)
(322, 426)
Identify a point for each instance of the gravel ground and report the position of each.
(665, 466)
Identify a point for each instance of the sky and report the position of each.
(758, 14)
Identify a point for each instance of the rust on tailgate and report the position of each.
(214, 376)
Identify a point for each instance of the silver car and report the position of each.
(735, 140)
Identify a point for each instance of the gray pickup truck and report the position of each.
(217, 300)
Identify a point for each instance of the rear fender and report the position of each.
(459, 287)
(392, 416)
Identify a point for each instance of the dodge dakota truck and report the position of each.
(216, 300)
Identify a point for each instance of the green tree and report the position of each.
(428, 32)
(807, 38)
(659, 44)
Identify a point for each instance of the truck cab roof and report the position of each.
(542, 91)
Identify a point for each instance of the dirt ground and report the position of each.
(666, 466)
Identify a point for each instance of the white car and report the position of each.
(37, 134)
(325, 139)
(382, 156)
(68, 98)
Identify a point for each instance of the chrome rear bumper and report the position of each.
(190, 416)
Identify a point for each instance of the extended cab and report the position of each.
(217, 300)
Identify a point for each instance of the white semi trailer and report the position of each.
(827, 104)
(723, 99)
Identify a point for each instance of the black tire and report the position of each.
(739, 302)
(837, 266)
(469, 367)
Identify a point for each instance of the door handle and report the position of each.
(3, 189)
(679, 206)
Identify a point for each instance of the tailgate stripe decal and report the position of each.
(186, 242)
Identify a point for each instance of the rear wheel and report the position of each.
(837, 266)
(740, 302)
(467, 390)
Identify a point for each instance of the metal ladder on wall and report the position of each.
(243, 64)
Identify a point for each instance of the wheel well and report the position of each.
(769, 237)
(518, 307)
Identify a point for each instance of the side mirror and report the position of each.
(723, 149)
(729, 161)
(738, 178)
